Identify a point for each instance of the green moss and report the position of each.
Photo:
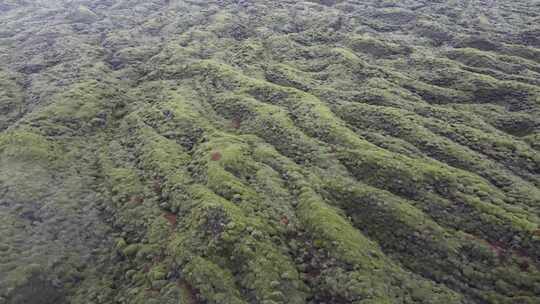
(336, 232)
(214, 284)
(241, 239)
(32, 286)
(533, 140)
(341, 239)
(124, 183)
(215, 219)
(157, 273)
(405, 179)
(409, 126)
(131, 250)
(436, 32)
(267, 121)
(376, 47)
(26, 159)
(85, 106)
(253, 151)
(287, 76)
(11, 99)
(404, 230)
(474, 57)
(27, 146)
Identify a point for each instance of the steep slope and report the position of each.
(269, 151)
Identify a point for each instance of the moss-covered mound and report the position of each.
(254, 151)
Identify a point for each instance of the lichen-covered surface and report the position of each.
(257, 151)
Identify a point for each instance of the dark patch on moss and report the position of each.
(36, 290)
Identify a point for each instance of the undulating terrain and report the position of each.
(255, 151)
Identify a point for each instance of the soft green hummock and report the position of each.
(252, 151)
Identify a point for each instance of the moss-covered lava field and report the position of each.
(254, 151)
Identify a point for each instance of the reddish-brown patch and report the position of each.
(503, 252)
(312, 274)
(215, 156)
(146, 268)
(521, 253)
(284, 220)
(236, 123)
(191, 293)
(536, 232)
(497, 248)
(152, 292)
(524, 265)
(471, 237)
(171, 218)
(136, 199)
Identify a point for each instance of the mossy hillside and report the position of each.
(451, 183)
(84, 107)
(287, 76)
(323, 114)
(466, 125)
(268, 273)
(224, 156)
(521, 51)
(409, 126)
(242, 151)
(33, 153)
(411, 230)
(247, 200)
(214, 283)
(33, 287)
(517, 124)
(519, 154)
(200, 195)
(320, 111)
(479, 87)
(25, 145)
(472, 132)
(11, 99)
(424, 111)
(237, 226)
(26, 155)
(492, 61)
(306, 108)
(334, 240)
(268, 122)
(376, 47)
(356, 250)
(134, 204)
(27, 158)
(343, 66)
